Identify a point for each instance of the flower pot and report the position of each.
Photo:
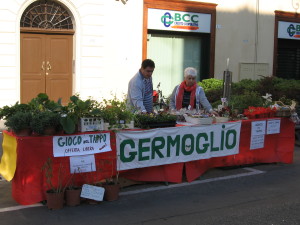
(111, 192)
(49, 131)
(221, 119)
(23, 132)
(73, 196)
(55, 200)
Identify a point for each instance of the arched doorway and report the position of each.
(46, 51)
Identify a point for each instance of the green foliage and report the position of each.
(76, 109)
(47, 168)
(68, 124)
(146, 120)
(19, 121)
(211, 83)
(7, 111)
(81, 108)
(213, 89)
(244, 85)
(243, 101)
(115, 110)
(43, 103)
(249, 92)
(45, 119)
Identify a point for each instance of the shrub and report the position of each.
(213, 89)
(19, 121)
(44, 120)
(7, 111)
(249, 92)
(249, 98)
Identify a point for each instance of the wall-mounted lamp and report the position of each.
(296, 4)
(123, 1)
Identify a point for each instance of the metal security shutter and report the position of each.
(288, 59)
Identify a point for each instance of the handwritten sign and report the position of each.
(83, 144)
(92, 192)
(273, 126)
(258, 127)
(82, 164)
(257, 141)
(258, 131)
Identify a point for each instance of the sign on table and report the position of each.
(137, 149)
(92, 192)
(82, 144)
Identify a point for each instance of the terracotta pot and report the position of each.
(111, 192)
(73, 196)
(55, 200)
(24, 132)
(49, 131)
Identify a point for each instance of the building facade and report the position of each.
(94, 47)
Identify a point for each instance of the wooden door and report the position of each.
(46, 66)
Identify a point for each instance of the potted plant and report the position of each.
(111, 184)
(54, 195)
(8, 111)
(115, 113)
(19, 123)
(72, 192)
(43, 103)
(45, 123)
(112, 189)
(75, 110)
(151, 120)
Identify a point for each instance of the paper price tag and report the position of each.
(92, 192)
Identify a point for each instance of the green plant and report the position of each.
(43, 103)
(245, 85)
(19, 121)
(213, 89)
(48, 169)
(76, 109)
(241, 102)
(146, 120)
(43, 120)
(7, 111)
(249, 92)
(116, 113)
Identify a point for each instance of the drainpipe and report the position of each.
(256, 30)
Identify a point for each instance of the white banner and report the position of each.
(137, 149)
(83, 144)
(159, 19)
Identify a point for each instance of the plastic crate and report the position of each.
(91, 124)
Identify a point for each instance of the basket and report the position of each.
(198, 120)
(221, 119)
(90, 124)
(284, 110)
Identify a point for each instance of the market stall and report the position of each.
(24, 157)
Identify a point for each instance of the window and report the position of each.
(46, 14)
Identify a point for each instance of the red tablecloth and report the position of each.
(29, 182)
(277, 148)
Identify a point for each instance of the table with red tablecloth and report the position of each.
(277, 148)
(29, 182)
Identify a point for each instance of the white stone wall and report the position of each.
(9, 84)
(107, 46)
(108, 42)
(239, 39)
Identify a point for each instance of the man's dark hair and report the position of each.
(148, 63)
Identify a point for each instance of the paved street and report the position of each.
(264, 194)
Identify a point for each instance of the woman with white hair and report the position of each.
(190, 95)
